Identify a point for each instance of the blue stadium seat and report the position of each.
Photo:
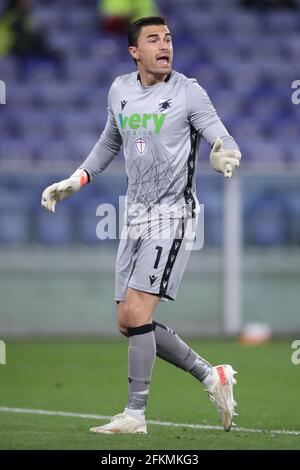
(14, 225)
(283, 21)
(54, 230)
(266, 221)
(15, 153)
(9, 69)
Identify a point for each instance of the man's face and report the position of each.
(154, 50)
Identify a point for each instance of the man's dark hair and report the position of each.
(135, 27)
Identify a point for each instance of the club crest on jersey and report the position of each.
(164, 104)
(140, 145)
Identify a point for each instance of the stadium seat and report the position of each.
(265, 221)
(14, 226)
(54, 230)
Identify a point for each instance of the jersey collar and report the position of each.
(165, 80)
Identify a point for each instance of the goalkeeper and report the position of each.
(160, 116)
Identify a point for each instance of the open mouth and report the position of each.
(163, 60)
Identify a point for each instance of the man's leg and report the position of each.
(218, 381)
(171, 348)
(135, 319)
(136, 316)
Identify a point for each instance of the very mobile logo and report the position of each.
(135, 121)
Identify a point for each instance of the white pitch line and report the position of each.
(5, 409)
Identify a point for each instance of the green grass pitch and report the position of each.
(91, 377)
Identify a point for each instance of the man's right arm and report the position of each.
(107, 147)
(104, 151)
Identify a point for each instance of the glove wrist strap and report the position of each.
(82, 175)
(84, 179)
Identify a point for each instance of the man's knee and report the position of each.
(132, 314)
(136, 310)
(129, 315)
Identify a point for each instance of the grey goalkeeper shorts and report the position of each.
(153, 256)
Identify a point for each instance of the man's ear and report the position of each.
(134, 53)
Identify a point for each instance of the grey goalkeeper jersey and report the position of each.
(160, 127)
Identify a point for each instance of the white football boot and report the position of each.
(220, 390)
(123, 423)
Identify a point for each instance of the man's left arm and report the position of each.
(225, 154)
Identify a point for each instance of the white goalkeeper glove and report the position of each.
(63, 189)
(222, 160)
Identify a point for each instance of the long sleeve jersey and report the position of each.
(160, 127)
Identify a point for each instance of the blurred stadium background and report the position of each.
(56, 277)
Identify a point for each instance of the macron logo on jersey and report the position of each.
(135, 121)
